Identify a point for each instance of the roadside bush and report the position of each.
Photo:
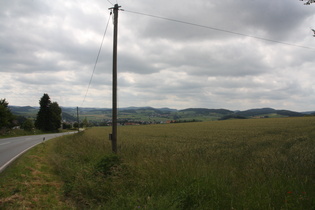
(108, 164)
(28, 125)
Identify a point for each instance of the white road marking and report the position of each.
(28, 138)
(15, 157)
(5, 143)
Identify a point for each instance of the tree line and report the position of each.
(48, 118)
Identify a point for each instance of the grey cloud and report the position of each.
(272, 19)
(38, 79)
(160, 62)
(130, 62)
(249, 88)
(34, 32)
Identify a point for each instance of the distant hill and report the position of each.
(309, 113)
(148, 108)
(68, 117)
(208, 111)
(255, 112)
(22, 108)
(135, 108)
(150, 114)
(289, 113)
(26, 111)
(268, 111)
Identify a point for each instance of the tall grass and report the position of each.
(237, 164)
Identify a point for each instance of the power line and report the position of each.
(218, 29)
(98, 55)
(110, 2)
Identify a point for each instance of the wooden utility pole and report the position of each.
(78, 119)
(114, 111)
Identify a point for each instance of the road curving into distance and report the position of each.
(12, 148)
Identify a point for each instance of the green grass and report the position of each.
(235, 164)
(29, 183)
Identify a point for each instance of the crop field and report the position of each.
(235, 164)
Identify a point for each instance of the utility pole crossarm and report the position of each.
(309, 2)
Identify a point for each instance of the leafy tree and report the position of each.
(76, 125)
(85, 123)
(28, 125)
(20, 120)
(66, 126)
(6, 117)
(55, 116)
(49, 115)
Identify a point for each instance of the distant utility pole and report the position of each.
(114, 111)
(78, 119)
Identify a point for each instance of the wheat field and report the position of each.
(234, 164)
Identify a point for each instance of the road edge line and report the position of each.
(15, 157)
(18, 155)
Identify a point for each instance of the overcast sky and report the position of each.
(51, 47)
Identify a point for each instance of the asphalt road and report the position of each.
(12, 148)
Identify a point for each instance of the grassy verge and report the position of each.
(29, 182)
(236, 164)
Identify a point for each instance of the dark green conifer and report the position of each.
(49, 115)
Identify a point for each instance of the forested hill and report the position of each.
(267, 111)
(150, 114)
(208, 111)
(26, 111)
